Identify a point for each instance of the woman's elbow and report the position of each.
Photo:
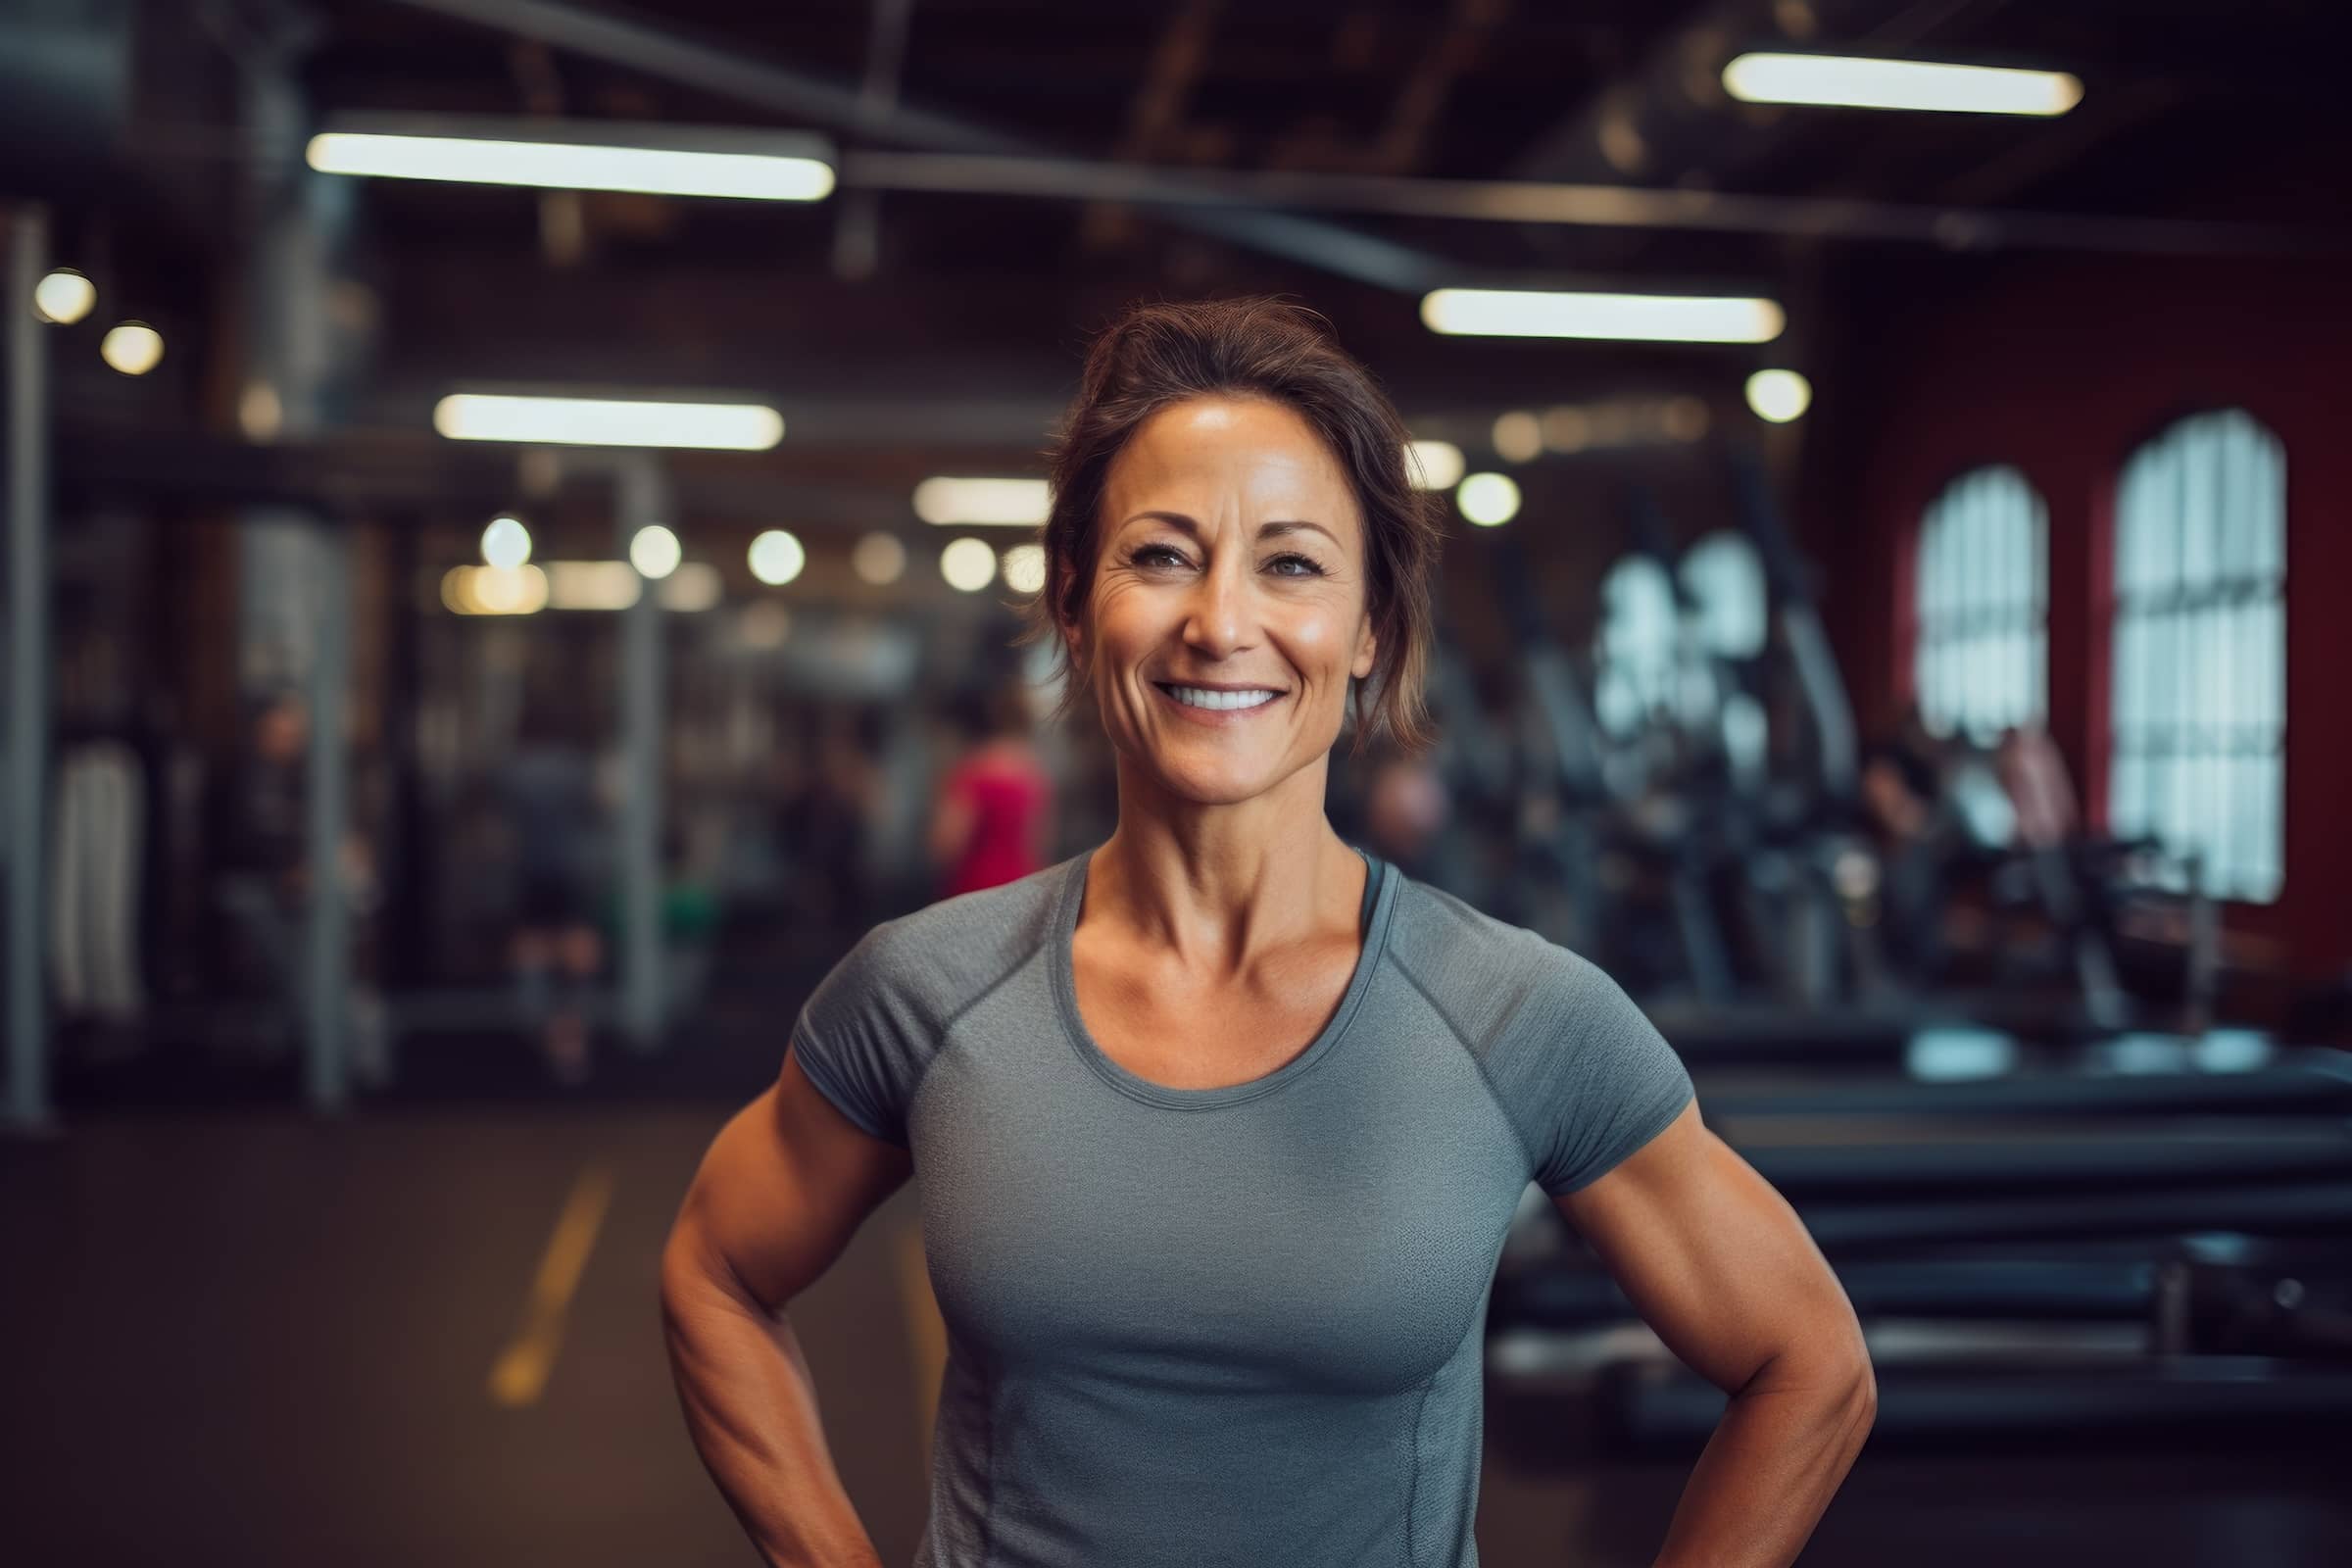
(1859, 1410)
(684, 1280)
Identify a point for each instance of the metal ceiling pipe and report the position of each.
(847, 110)
(1533, 201)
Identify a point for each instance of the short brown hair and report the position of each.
(1158, 355)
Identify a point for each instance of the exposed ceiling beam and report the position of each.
(857, 228)
(1533, 201)
(643, 47)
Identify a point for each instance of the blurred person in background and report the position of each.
(993, 819)
(266, 878)
(1902, 802)
(828, 817)
(548, 784)
(1218, 1123)
(1406, 807)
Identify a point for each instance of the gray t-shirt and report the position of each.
(1223, 1326)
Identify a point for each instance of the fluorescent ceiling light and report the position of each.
(579, 154)
(607, 423)
(982, 503)
(592, 585)
(1432, 465)
(1647, 317)
(494, 590)
(1767, 79)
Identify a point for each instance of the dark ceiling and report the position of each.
(897, 324)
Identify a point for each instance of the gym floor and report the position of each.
(429, 1336)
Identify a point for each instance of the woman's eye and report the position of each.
(1149, 551)
(1308, 567)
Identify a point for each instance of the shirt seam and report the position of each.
(831, 1084)
(1486, 1081)
(1412, 1486)
(988, 1508)
(947, 1028)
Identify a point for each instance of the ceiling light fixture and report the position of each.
(64, 297)
(1778, 396)
(133, 348)
(579, 154)
(1432, 465)
(608, 421)
(1845, 82)
(1641, 317)
(982, 503)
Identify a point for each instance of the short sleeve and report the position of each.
(1593, 1078)
(864, 1035)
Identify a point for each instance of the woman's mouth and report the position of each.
(1209, 705)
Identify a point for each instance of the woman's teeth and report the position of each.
(1195, 697)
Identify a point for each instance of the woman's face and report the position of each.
(1231, 570)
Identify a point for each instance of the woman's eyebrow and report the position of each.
(1276, 529)
(1175, 519)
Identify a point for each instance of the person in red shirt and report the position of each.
(993, 819)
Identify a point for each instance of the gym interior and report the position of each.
(520, 514)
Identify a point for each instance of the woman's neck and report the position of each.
(1225, 882)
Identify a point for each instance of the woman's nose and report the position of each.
(1216, 620)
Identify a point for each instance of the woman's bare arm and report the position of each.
(1721, 1267)
(778, 1196)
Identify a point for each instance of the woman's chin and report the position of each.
(1217, 784)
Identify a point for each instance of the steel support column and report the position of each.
(27, 671)
(326, 945)
(643, 500)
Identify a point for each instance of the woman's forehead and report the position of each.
(1205, 457)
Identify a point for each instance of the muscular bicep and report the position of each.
(1712, 1257)
(781, 1191)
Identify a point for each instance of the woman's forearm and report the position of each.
(751, 1408)
(1776, 1459)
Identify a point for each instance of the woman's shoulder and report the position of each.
(971, 937)
(1481, 971)
(1435, 925)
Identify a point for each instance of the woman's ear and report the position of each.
(1367, 650)
(1073, 635)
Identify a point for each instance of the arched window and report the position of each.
(1636, 649)
(1979, 665)
(2199, 693)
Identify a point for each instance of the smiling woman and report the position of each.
(1220, 1124)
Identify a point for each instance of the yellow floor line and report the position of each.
(519, 1373)
(926, 1334)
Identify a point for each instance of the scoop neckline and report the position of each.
(1136, 1086)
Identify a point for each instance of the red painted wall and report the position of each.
(2062, 368)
